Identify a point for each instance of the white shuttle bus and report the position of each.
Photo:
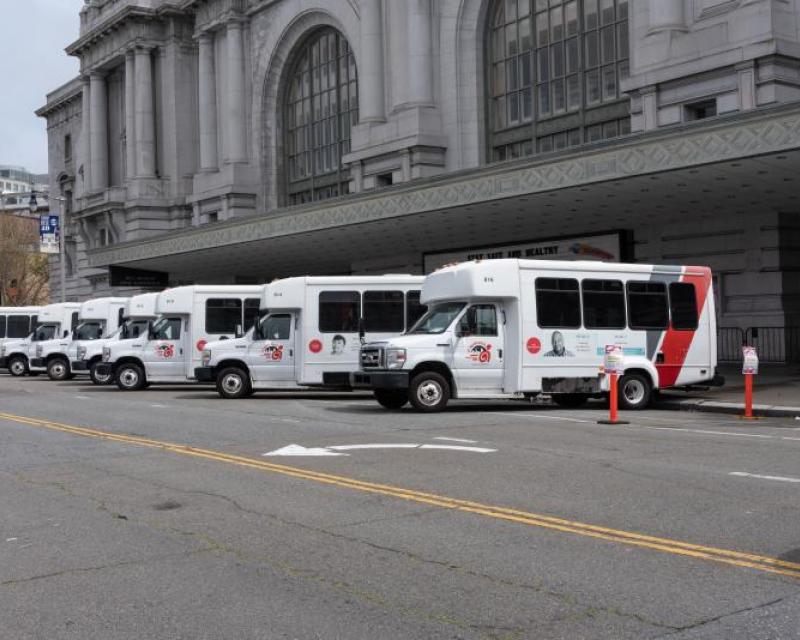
(309, 335)
(16, 323)
(188, 318)
(54, 321)
(138, 313)
(98, 318)
(516, 328)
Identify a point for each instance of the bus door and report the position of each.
(164, 352)
(478, 361)
(270, 355)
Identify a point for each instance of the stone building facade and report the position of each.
(240, 140)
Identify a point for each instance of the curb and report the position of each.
(729, 408)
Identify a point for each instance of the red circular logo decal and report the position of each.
(201, 344)
(534, 346)
(315, 346)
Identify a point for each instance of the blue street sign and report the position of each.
(49, 233)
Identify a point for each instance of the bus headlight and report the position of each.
(81, 353)
(106, 354)
(395, 358)
(206, 357)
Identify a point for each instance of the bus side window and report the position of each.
(414, 310)
(223, 315)
(383, 311)
(251, 312)
(339, 311)
(603, 304)
(647, 305)
(558, 304)
(18, 326)
(683, 306)
(2, 326)
(34, 323)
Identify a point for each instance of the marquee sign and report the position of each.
(607, 247)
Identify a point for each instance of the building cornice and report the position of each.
(728, 138)
(59, 97)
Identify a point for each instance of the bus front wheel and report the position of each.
(429, 392)
(233, 383)
(391, 399)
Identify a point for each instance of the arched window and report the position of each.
(554, 68)
(321, 107)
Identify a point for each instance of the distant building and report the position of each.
(16, 185)
(239, 140)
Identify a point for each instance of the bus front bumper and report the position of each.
(379, 380)
(205, 374)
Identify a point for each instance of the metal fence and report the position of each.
(773, 344)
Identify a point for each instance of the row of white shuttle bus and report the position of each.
(481, 330)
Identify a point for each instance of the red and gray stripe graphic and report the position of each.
(675, 344)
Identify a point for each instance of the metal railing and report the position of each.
(773, 344)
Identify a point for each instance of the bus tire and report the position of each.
(635, 391)
(429, 392)
(18, 366)
(130, 377)
(570, 400)
(233, 383)
(391, 398)
(98, 379)
(58, 370)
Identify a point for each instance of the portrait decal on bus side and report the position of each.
(559, 349)
(338, 344)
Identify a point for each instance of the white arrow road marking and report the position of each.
(742, 474)
(297, 450)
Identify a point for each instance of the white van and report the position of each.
(16, 323)
(139, 313)
(515, 328)
(98, 317)
(54, 321)
(309, 335)
(189, 318)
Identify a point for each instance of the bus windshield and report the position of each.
(89, 330)
(133, 329)
(44, 332)
(438, 318)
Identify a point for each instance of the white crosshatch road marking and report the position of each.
(338, 450)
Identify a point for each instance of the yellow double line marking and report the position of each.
(666, 545)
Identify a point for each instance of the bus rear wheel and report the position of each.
(234, 383)
(634, 392)
(391, 399)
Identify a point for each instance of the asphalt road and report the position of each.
(156, 515)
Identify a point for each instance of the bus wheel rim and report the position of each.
(129, 377)
(58, 369)
(429, 393)
(17, 367)
(634, 391)
(232, 383)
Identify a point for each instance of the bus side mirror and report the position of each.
(362, 332)
(66, 333)
(238, 332)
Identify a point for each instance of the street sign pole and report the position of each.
(62, 271)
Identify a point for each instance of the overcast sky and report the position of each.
(33, 34)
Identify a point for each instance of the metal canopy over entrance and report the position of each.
(674, 190)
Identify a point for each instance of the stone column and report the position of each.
(98, 131)
(371, 73)
(145, 115)
(130, 117)
(666, 15)
(85, 148)
(420, 53)
(208, 103)
(236, 149)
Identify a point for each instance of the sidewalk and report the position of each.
(776, 392)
